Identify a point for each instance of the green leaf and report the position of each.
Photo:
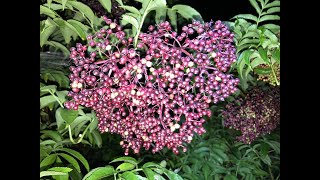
(56, 7)
(63, 2)
(131, 9)
(120, 2)
(65, 29)
(52, 134)
(58, 45)
(272, 27)
(230, 177)
(84, 9)
(273, 10)
(255, 5)
(259, 70)
(171, 175)
(47, 100)
(78, 156)
(71, 160)
(246, 16)
(97, 137)
(251, 35)
(51, 173)
(249, 41)
(202, 149)
(263, 54)
(149, 173)
(271, 36)
(60, 121)
(80, 28)
(187, 12)
(272, 4)
(49, 2)
(68, 115)
(131, 20)
(173, 18)
(48, 160)
(269, 18)
(125, 167)
(46, 11)
(127, 159)
(256, 62)
(79, 120)
(129, 176)
(45, 33)
(106, 4)
(276, 55)
(159, 177)
(49, 88)
(60, 169)
(99, 173)
(93, 124)
(62, 95)
(160, 15)
(46, 142)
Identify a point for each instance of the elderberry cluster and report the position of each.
(255, 115)
(154, 95)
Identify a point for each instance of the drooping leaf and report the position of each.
(187, 12)
(58, 45)
(131, 9)
(97, 138)
(46, 11)
(160, 15)
(173, 18)
(125, 159)
(47, 142)
(131, 20)
(149, 173)
(106, 4)
(99, 173)
(45, 33)
(263, 54)
(48, 160)
(171, 175)
(271, 36)
(52, 134)
(276, 55)
(84, 9)
(78, 156)
(125, 167)
(255, 5)
(79, 27)
(65, 28)
(71, 160)
(68, 115)
(246, 16)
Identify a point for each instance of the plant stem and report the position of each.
(274, 75)
(271, 176)
(141, 24)
(56, 99)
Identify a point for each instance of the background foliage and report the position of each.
(71, 146)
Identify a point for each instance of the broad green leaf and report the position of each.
(125, 167)
(242, 47)
(149, 173)
(49, 88)
(259, 70)
(249, 41)
(79, 120)
(269, 18)
(256, 62)
(272, 27)
(273, 10)
(47, 11)
(48, 160)
(60, 121)
(255, 5)
(58, 45)
(240, 65)
(84, 9)
(46, 100)
(68, 115)
(62, 95)
(97, 138)
(230, 177)
(129, 176)
(252, 27)
(171, 175)
(273, 4)
(45, 34)
(173, 18)
(187, 12)
(163, 163)
(78, 156)
(159, 177)
(65, 29)
(246, 16)
(151, 164)
(160, 15)
(126, 159)
(131, 9)
(63, 2)
(263, 54)
(51, 173)
(246, 57)
(106, 4)
(276, 55)
(131, 20)
(271, 36)
(251, 35)
(79, 27)
(99, 173)
(49, 2)
(60, 169)
(52, 134)
(46, 142)
(71, 160)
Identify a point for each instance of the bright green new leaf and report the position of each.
(78, 156)
(99, 173)
(187, 12)
(125, 167)
(106, 4)
(126, 159)
(60, 169)
(63, 2)
(49, 3)
(129, 176)
(149, 173)
(51, 173)
(48, 160)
